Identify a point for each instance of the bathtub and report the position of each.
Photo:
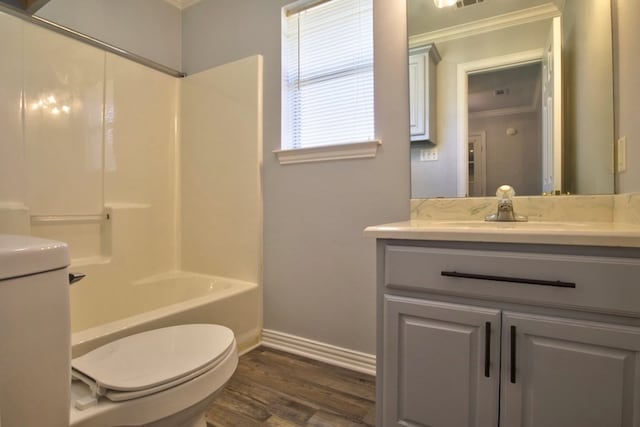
(177, 298)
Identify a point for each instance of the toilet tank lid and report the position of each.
(26, 255)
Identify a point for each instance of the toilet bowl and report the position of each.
(164, 378)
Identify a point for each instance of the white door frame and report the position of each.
(464, 69)
(480, 162)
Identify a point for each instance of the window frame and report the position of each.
(324, 152)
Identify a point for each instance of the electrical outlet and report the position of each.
(622, 154)
(428, 154)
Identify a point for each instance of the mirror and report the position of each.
(523, 96)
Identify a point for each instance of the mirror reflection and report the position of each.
(511, 92)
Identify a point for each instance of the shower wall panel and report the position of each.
(63, 101)
(11, 146)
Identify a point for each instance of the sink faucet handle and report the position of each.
(505, 206)
(505, 192)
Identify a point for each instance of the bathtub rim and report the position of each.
(84, 336)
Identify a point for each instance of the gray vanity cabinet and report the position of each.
(435, 364)
(567, 372)
(487, 335)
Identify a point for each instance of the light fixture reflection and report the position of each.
(51, 104)
(444, 3)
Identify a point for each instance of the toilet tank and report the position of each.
(35, 332)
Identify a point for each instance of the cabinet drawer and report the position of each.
(595, 283)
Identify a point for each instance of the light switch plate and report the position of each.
(428, 154)
(622, 154)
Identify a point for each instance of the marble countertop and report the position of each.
(612, 234)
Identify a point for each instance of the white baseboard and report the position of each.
(338, 356)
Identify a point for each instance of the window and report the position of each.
(327, 59)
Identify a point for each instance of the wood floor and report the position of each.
(274, 388)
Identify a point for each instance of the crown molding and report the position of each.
(525, 16)
(182, 4)
(508, 111)
(500, 112)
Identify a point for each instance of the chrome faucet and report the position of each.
(505, 206)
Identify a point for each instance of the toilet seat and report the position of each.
(152, 361)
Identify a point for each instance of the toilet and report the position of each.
(164, 377)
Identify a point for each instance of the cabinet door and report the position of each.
(569, 373)
(441, 366)
(418, 118)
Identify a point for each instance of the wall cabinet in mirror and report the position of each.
(422, 92)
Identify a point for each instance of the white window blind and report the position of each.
(328, 73)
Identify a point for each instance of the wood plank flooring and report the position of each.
(274, 388)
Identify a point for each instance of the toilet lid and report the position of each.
(153, 358)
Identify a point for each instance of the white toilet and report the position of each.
(164, 377)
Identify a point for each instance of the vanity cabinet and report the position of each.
(568, 372)
(422, 92)
(440, 363)
(510, 335)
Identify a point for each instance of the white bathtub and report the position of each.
(177, 298)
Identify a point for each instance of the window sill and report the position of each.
(356, 150)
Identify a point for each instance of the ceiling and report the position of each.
(516, 89)
(424, 16)
(28, 6)
(182, 4)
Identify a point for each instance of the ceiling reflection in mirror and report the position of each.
(523, 96)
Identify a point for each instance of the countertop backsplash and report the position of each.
(622, 208)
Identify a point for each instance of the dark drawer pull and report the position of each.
(555, 283)
(513, 355)
(487, 349)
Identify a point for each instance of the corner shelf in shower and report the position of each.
(88, 235)
(70, 219)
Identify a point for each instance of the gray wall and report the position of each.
(512, 159)
(587, 97)
(149, 28)
(627, 89)
(319, 272)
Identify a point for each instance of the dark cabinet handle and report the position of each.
(555, 283)
(487, 349)
(513, 354)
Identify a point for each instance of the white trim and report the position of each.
(300, 6)
(499, 112)
(337, 356)
(481, 159)
(558, 126)
(182, 4)
(356, 150)
(532, 14)
(497, 62)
